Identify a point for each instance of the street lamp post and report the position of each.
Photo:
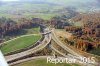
(3, 62)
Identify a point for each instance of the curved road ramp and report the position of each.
(48, 37)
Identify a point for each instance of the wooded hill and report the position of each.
(86, 37)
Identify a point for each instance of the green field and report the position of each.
(29, 10)
(70, 21)
(47, 16)
(32, 30)
(42, 62)
(19, 43)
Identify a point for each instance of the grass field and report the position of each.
(78, 23)
(70, 21)
(32, 30)
(19, 43)
(42, 62)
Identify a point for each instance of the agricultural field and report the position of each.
(29, 10)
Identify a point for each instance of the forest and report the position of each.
(86, 37)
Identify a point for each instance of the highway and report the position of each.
(28, 59)
(44, 43)
(77, 60)
(55, 38)
(53, 48)
(72, 52)
(48, 35)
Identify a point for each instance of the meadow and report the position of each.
(19, 43)
(40, 62)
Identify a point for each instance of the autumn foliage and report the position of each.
(86, 37)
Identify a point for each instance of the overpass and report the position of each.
(48, 34)
(43, 44)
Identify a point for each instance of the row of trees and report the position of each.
(10, 27)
